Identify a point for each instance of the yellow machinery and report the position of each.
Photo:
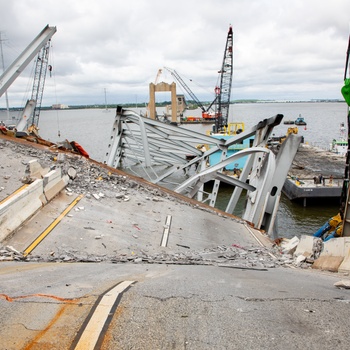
(291, 130)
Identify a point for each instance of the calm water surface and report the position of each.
(92, 128)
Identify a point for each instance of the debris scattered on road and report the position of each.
(183, 246)
(345, 284)
(98, 183)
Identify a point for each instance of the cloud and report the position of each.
(282, 49)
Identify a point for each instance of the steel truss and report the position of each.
(169, 155)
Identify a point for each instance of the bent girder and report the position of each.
(172, 152)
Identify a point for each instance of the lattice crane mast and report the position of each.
(223, 91)
(41, 67)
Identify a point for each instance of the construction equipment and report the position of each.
(40, 45)
(291, 130)
(17, 67)
(205, 111)
(41, 68)
(224, 90)
(159, 73)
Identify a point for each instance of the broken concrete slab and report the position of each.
(305, 246)
(342, 284)
(309, 247)
(72, 173)
(289, 246)
(328, 263)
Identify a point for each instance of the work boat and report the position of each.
(300, 121)
(340, 146)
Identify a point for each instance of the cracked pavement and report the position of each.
(214, 286)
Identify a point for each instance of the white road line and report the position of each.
(166, 231)
(93, 329)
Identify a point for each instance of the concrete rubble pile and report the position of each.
(9, 253)
(312, 252)
(85, 176)
(257, 258)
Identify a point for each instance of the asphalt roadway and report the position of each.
(49, 306)
(104, 277)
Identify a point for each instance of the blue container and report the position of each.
(238, 163)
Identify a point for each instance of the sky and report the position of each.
(112, 49)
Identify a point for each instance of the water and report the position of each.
(92, 128)
(89, 127)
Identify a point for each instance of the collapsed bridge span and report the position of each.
(173, 157)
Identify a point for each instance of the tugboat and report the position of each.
(300, 121)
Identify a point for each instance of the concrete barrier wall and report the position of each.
(23, 205)
(334, 256)
(345, 265)
(54, 183)
(20, 207)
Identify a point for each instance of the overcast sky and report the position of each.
(283, 49)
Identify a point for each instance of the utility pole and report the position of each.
(3, 69)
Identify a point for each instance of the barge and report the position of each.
(303, 189)
(315, 174)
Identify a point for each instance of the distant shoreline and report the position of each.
(165, 103)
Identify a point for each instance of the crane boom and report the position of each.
(224, 91)
(159, 73)
(188, 90)
(16, 68)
